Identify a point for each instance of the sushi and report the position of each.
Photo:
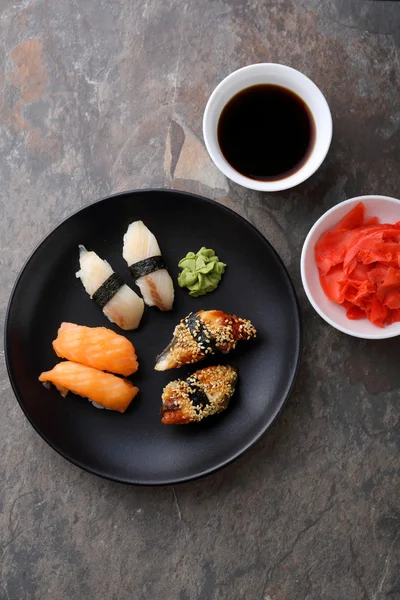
(96, 347)
(206, 392)
(103, 389)
(202, 334)
(143, 255)
(119, 303)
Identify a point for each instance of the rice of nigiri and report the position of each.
(157, 287)
(96, 347)
(104, 389)
(125, 308)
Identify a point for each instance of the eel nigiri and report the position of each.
(96, 347)
(143, 255)
(103, 389)
(202, 334)
(206, 392)
(119, 303)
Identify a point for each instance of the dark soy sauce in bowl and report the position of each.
(266, 132)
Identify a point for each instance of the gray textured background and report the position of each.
(99, 96)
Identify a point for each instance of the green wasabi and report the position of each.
(201, 272)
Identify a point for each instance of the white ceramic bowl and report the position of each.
(388, 211)
(279, 75)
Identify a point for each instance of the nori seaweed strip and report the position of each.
(201, 334)
(197, 397)
(146, 266)
(108, 289)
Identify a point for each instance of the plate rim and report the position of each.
(236, 455)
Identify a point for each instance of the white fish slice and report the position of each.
(125, 308)
(139, 245)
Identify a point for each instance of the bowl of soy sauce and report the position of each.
(267, 127)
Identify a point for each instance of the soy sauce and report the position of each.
(266, 132)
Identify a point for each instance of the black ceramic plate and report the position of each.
(135, 447)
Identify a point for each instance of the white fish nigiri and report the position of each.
(119, 303)
(143, 255)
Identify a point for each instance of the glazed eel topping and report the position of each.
(205, 393)
(203, 334)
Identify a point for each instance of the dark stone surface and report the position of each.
(99, 96)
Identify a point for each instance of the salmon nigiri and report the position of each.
(103, 389)
(143, 255)
(96, 347)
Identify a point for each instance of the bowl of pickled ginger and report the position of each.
(350, 267)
